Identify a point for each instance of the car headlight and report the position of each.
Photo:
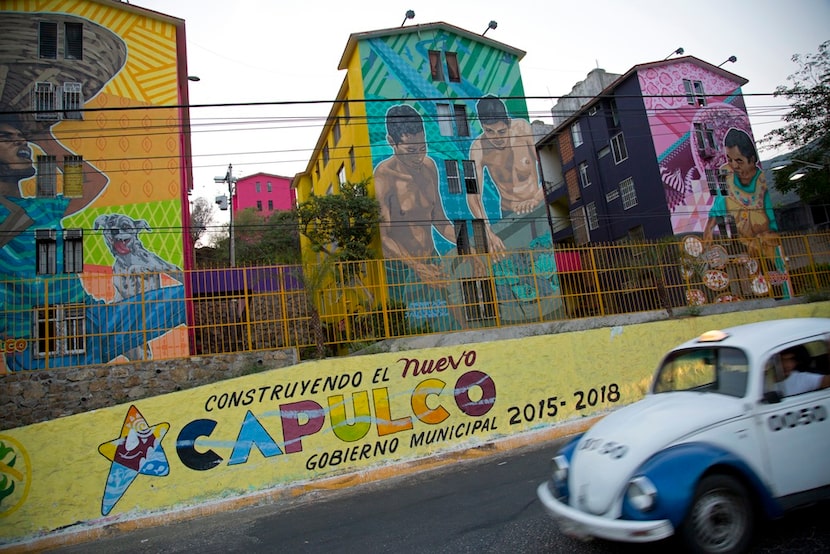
(560, 468)
(642, 493)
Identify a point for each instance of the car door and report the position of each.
(796, 435)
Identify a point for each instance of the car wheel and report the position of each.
(721, 517)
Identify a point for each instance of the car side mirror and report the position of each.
(772, 397)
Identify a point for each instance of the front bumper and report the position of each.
(581, 525)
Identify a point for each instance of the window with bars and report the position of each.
(73, 251)
(453, 178)
(628, 193)
(46, 176)
(591, 214)
(60, 330)
(46, 252)
(480, 245)
(44, 102)
(73, 176)
(47, 40)
(478, 300)
(618, 148)
(72, 100)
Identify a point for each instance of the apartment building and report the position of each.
(433, 117)
(95, 175)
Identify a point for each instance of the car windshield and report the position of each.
(716, 370)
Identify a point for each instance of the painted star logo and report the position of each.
(137, 451)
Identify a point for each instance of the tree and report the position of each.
(201, 217)
(807, 127)
(341, 225)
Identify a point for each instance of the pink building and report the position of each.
(265, 193)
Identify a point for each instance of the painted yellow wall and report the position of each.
(304, 427)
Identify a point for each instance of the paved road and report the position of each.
(487, 505)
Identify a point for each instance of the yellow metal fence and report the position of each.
(252, 309)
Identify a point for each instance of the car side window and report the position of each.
(797, 368)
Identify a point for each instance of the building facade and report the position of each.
(664, 150)
(263, 193)
(434, 118)
(95, 175)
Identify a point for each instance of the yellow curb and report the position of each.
(338, 482)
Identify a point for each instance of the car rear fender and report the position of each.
(676, 471)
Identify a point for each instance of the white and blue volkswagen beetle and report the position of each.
(713, 447)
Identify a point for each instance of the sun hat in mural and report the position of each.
(21, 67)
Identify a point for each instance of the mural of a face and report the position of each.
(498, 133)
(743, 167)
(15, 154)
(411, 150)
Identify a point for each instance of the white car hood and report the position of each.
(612, 450)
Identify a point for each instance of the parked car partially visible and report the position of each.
(714, 448)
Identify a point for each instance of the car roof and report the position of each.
(763, 335)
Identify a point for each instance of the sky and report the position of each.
(261, 51)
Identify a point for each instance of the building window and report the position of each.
(341, 174)
(435, 66)
(478, 299)
(461, 125)
(612, 116)
(452, 67)
(48, 40)
(352, 161)
(258, 187)
(576, 134)
(705, 140)
(325, 154)
(73, 251)
(694, 92)
(593, 219)
(73, 176)
(46, 177)
(60, 330)
(628, 193)
(73, 41)
(346, 112)
(470, 177)
(44, 102)
(583, 175)
(269, 187)
(637, 234)
(453, 178)
(259, 205)
(270, 205)
(46, 252)
(462, 238)
(618, 148)
(72, 101)
(480, 237)
(335, 131)
(444, 120)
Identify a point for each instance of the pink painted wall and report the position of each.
(264, 188)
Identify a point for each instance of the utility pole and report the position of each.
(231, 181)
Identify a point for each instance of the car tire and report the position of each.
(721, 519)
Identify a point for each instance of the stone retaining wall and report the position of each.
(34, 396)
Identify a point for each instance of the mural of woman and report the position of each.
(746, 199)
(111, 329)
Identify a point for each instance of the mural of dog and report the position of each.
(135, 270)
